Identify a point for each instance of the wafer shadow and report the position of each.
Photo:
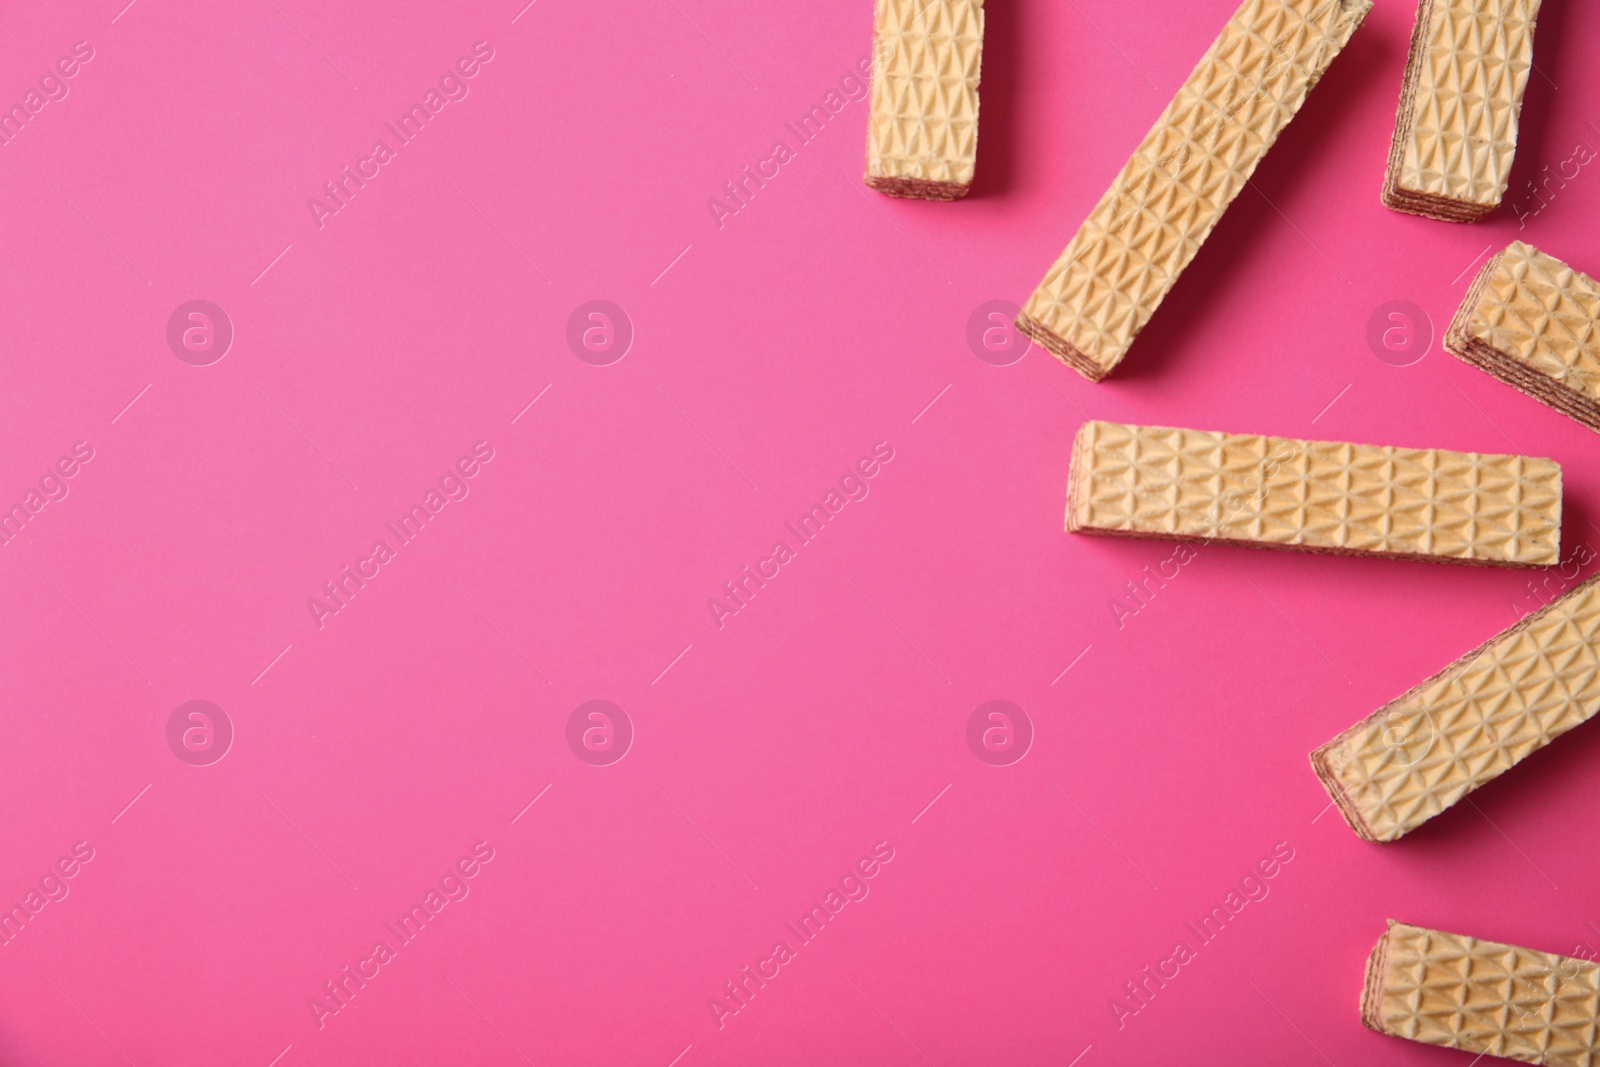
(1548, 780)
(1546, 783)
(1367, 65)
(1533, 151)
(997, 107)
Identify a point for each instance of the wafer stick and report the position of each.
(1534, 322)
(1182, 177)
(922, 132)
(1484, 997)
(1470, 723)
(1318, 496)
(1456, 130)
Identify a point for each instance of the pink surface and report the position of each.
(818, 328)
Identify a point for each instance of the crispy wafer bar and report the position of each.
(1182, 177)
(1470, 723)
(1456, 130)
(1483, 997)
(922, 132)
(1319, 496)
(1534, 322)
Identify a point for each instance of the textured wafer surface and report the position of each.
(1470, 723)
(1182, 177)
(1320, 496)
(922, 131)
(1456, 131)
(1534, 322)
(1483, 997)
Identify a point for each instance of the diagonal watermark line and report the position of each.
(497, 630)
(1080, 1056)
(306, 839)
(1474, 263)
(1103, 837)
(886, 1019)
(274, 263)
(303, 437)
(1298, 230)
(1512, 843)
(280, 1055)
(1486, 418)
(314, 48)
(123, 12)
(497, 229)
(895, 228)
(86, 1019)
(930, 404)
(899, 631)
(674, 263)
(1297, 630)
(96, 229)
(530, 404)
(130, 804)
(530, 804)
(707, 440)
(714, 48)
(130, 404)
(1113, 44)
(273, 664)
(1071, 665)
(702, 834)
(1332, 402)
(1330, 804)
(680, 1056)
(97, 630)
(523, 12)
(1068, 399)
(486, 1019)
(674, 663)
(1290, 1021)
(931, 803)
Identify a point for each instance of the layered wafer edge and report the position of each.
(1461, 343)
(1327, 770)
(1079, 471)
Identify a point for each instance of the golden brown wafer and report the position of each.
(1534, 322)
(922, 131)
(1317, 496)
(1470, 723)
(1456, 130)
(1483, 997)
(1182, 177)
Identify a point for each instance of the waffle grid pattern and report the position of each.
(1483, 997)
(1456, 133)
(922, 131)
(1314, 495)
(1152, 221)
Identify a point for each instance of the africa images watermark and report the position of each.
(339, 591)
(1581, 156)
(1138, 594)
(53, 486)
(53, 887)
(52, 89)
(453, 86)
(853, 487)
(453, 887)
(1138, 993)
(738, 192)
(853, 887)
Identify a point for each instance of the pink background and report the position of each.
(770, 354)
